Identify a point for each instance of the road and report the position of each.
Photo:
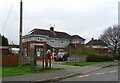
(105, 74)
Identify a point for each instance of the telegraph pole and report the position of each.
(20, 36)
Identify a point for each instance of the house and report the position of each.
(4, 50)
(14, 49)
(77, 41)
(54, 40)
(99, 45)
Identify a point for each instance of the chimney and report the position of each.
(51, 28)
(92, 39)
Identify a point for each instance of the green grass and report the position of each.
(84, 63)
(15, 70)
(53, 69)
(0, 71)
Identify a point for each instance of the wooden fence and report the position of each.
(77, 58)
(10, 60)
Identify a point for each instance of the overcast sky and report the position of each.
(87, 18)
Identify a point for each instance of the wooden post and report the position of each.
(46, 61)
(20, 36)
(50, 63)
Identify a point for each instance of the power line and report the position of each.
(9, 13)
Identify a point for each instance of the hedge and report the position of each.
(98, 58)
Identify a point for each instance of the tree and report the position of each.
(79, 52)
(73, 53)
(4, 40)
(86, 50)
(70, 50)
(112, 37)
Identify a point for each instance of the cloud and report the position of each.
(87, 18)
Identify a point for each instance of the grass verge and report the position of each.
(15, 70)
(0, 71)
(84, 63)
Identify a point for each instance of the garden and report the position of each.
(92, 56)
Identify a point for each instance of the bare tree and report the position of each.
(112, 37)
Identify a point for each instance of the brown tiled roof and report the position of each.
(76, 36)
(50, 33)
(96, 42)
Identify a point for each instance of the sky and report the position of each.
(86, 18)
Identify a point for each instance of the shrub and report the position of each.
(98, 58)
(4, 40)
(86, 51)
(117, 57)
(80, 51)
(5, 53)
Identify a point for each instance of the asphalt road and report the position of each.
(105, 74)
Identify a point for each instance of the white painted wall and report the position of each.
(78, 41)
(96, 46)
(34, 39)
(54, 42)
(58, 43)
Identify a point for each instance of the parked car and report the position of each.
(61, 56)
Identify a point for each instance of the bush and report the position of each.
(4, 40)
(117, 57)
(86, 51)
(5, 53)
(80, 51)
(98, 58)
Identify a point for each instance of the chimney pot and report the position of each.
(52, 28)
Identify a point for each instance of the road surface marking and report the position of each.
(112, 71)
(100, 73)
(84, 76)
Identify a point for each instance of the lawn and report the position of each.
(84, 63)
(15, 70)
(0, 71)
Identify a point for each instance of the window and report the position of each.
(52, 41)
(40, 39)
(62, 42)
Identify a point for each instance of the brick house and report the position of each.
(4, 50)
(54, 40)
(77, 41)
(99, 45)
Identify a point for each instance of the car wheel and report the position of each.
(63, 59)
(66, 59)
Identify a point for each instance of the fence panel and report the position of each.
(77, 58)
(10, 60)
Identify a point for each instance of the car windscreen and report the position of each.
(60, 54)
